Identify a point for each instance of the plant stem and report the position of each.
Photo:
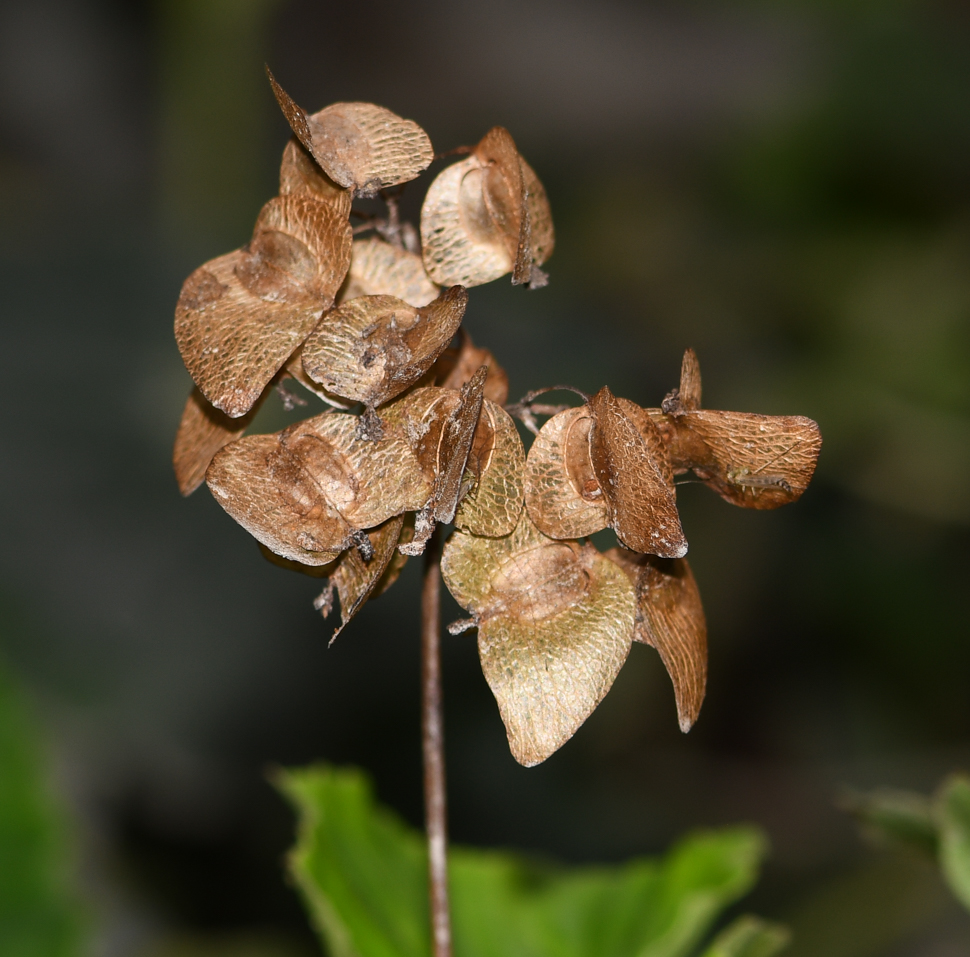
(433, 746)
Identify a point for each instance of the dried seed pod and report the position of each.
(635, 477)
(455, 366)
(267, 489)
(670, 617)
(202, 431)
(239, 317)
(562, 493)
(555, 624)
(360, 146)
(486, 216)
(442, 425)
(378, 268)
(367, 481)
(357, 580)
(755, 461)
(497, 463)
(372, 348)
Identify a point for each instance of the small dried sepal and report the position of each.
(670, 618)
(456, 365)
(360, 146)
(240, 316)
(357, 580)
(755, 461)
(486, 216)
(555, 624)
(562, 492)
(267, 489)
(634, 474)
(202, 431)
(379, 268)
(373, 348)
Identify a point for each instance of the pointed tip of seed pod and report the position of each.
(686, 722)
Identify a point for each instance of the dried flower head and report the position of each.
(421, 436)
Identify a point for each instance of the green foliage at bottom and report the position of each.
(939, 824)
(38, 914)
(363, 874)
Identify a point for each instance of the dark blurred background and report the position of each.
(783, 186)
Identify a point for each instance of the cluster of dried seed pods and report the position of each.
(418, 433)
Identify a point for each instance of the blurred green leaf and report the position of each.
(902, 816)
(749, 936)
(38, 914)
(953, 808)
(363, 875)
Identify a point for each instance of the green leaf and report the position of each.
(749, 936)
(901, 816)
(363, 875)
(953, 809)
(39, 916)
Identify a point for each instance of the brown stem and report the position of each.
(433, 746)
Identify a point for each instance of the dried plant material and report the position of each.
(670, 618)
(202, 431)
(356, 580)
(751, 460)
(687, 397)
(240, 316)
(459, 242)
(517, 205)
(366, 481)
(294, 368)
(562, 493)
(379, 268)
(486, 216)
(360, 146)
(455, 366)
(372, 348)
(442, 425)
(555, 624)
(634, 475)
(755, 461)
(267, 489)
(299, 171)
(311, 571)
(233, 342)
(497, 463)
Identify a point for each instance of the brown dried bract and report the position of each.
(443, 425)
(555, 624)
(497, 463)
(268, 490)
(562, 492)
(485, 216)
(755, 461)
(202, 431)
(360, 146)
(670, 617)
(380, 268)
(356, 580)
(372, 348)
(634, 475)
(240, 316)
(455, 366)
